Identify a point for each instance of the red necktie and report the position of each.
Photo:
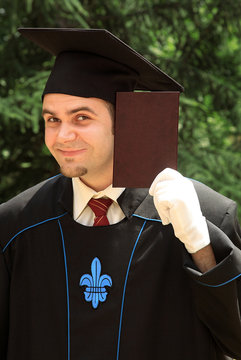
(100, 208)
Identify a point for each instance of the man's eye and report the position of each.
(82, 117)
(52, 120)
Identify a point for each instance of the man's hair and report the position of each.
(111, 109)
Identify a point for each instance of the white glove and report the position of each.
(177, 203)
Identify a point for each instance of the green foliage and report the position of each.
(195, 41)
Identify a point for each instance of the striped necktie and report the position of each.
(100, 208)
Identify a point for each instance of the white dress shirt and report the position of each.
(83, 214)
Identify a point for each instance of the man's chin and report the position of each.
(73, 172)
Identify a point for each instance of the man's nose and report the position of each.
(66, 133)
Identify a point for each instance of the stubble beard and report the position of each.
(76, 172)
(71, 172)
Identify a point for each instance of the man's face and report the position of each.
(78, 133)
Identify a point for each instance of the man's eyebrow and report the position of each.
(70, 112)
(46, 111)
(82, 108)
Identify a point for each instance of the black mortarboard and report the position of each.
(95, 63)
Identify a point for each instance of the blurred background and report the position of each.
(197, 42)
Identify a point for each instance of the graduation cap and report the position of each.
(95, 63)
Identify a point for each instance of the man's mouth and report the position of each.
(71, 152)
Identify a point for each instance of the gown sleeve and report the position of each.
(4, 301)
(217, 293)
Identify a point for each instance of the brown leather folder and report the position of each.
(146, 136)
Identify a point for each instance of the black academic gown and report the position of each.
(119, 292)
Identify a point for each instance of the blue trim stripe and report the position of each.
(144, 218)
(67, 288)
(226, 282)
(31, 226)
(124, 289)
(52, 177)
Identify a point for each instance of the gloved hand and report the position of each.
(177, 203)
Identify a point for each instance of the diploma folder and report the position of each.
(146, 136)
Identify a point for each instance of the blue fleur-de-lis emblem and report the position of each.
(95, 290)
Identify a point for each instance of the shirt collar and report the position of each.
(82, 194)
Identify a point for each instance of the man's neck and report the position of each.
(101, 185)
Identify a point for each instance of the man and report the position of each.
(89, 271)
